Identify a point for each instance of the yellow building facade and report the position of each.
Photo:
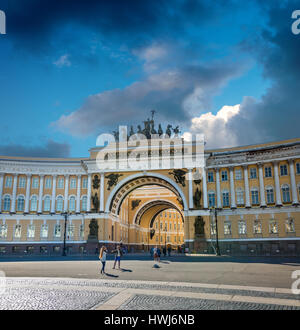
(254, 189)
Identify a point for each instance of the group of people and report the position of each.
(156, 253)
(103, 254)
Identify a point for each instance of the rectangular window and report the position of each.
(257, 227)
(283, 170)
(57, 231)
(84, 183)
(35, 183)
(290, 226)
(211, 199)
(254, 196)
(270, 196)
(60, 183)
(227, 228)
(3, 231)
(242, 227)
(22, 182)
(298, 168)
(8, 182)
(17, 233)
(81, 231)
(48, 183)
(73, 183)
(71, 231)
(268, 172)
(31, 231)
(224, 176)
(213, 228)
(44, 231)
(253, 173)
(238, 174)
(273, 227)
(210, 176)
(240, 197)
(225, 199)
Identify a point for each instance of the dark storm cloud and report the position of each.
(34, 24)
(51, 149)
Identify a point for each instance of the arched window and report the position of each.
(286, 194)
(6, 203)
(72, 204)
(20, 203)
(59, 203)
(33, 203)
(47, 204)
(84, 203)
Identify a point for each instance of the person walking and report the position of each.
(169, 251)
(158, 254)
(118, 254)
(102, 257)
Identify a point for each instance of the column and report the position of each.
(205, 203)
(41, 193)
(102, 192)
(261, 186)
(53, 194)
(277, 185)
(27, 197)
(66, 193)
(246, 182)
(14, 193)
(1, 189)
(219, 204)
(78, 194)
(190, 179)
(232, 190)
(89, 193)
(293, 182)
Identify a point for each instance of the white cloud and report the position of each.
(63, 61)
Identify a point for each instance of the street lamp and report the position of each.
(217, 235)
(65, 214)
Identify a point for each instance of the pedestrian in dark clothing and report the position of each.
(164, 251)
(169, 251)
(118, 254)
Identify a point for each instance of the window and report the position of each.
(47, 204)
(3, 231)
(170, 226)
(286, 194)
(31, 231)
(268, 172)
(239, 197)
(238, 174)
(298, 168)
(20, 203)
(210, 176)
(73, 183)
(57, 231)
(22, 182)
(257, 227)
(161, 225)
(242, 227)
(81, 231)
(273, 227)
(283, 170)
(35, 183)
(213, 228)
(227, 228)
(6, 203)
(254, 196)
(59, 203)
(211, 199)
(225, 195)
(71, 230)
(290, 226)
(17, 233)
(270, 195)
(84, 183)
(60, 183)
(8, 182)
(224, 176)
(48, 183)
(33, 203)
(84, 203)
(72, 204)
(44, 231)
(253, 173)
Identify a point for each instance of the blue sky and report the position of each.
(69, 73)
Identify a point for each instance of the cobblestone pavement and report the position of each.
(75, 294)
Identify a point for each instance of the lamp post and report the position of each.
(65, 214)
(217, 235)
